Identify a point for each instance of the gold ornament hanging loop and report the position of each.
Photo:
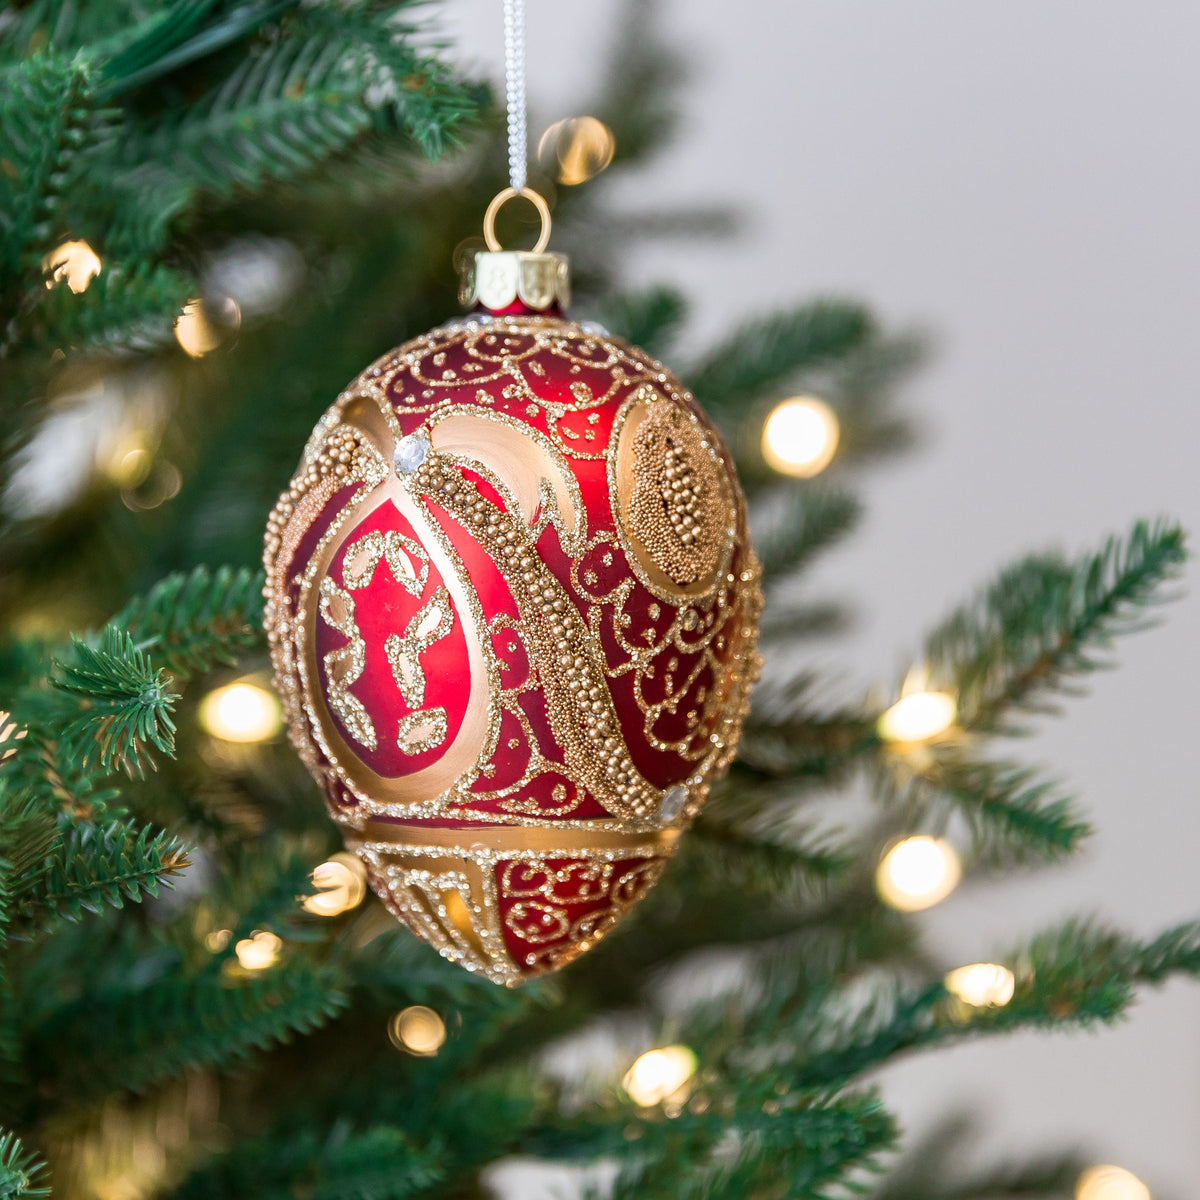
(499, 201)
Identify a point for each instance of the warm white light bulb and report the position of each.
(982, 985)
(241, 712)
(1110, 1183)
(341, 885)
(918, 873)
(417, 1030)
(918, 717)
(76, 263)
(259, 951)
(800, 436)
(202, 327)
(659, 1074)
(577, 148)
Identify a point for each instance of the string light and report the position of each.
(130, 464)
(659, 1075)
(217, 940)
(160, 484)
(918, 717)
(1110, 1183)
(982, 985)
(74, 263)
(800, 436)
(341, 885)
(577, 149)
(417, 1030)
(917, 873)
(241, 712)
(202, 327)
(259, 951)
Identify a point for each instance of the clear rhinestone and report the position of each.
(410, 453)
(594, 329)
(672, 802)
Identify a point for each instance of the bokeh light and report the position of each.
(204, 325)
(160, 483)
(341, 885)
(918, 717)
(982, 985)
(130, 467)
(576, 149)
(800, 436)
(259, 951)
(74, 263)
(917, 873)
(417, 1030)
(1110, 1183)
(659, 1075)
(217, 939)
(241, 712)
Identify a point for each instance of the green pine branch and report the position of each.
(783, 1141)
(1047, 622)
(343, 1163)
(195, 621)
(931, 1169)
(768, 855)
(1076, 976)
(122, 308)
(305, 98)
(186, 30)
(1014, 815)
(44, 780)
(123, 704)
(803, 522)
(90, 867)
(791, 734)
(280, 113)
(46, 114)
(762, 355)
(790, 621)
(146, 1032)
(22, 1173)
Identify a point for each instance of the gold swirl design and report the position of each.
(344, 666)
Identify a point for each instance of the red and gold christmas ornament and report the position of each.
(513, 609)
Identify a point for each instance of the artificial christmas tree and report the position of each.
(254, 227)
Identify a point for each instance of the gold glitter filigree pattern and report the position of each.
(344, 666)
(421, 731)
(408, 563)
(431, 624)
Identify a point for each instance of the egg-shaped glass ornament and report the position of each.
(513, 610)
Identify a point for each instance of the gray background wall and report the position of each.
(1024, 181)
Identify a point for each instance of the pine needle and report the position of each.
(195, 621)
(125, 704)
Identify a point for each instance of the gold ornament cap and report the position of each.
(497, 278)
